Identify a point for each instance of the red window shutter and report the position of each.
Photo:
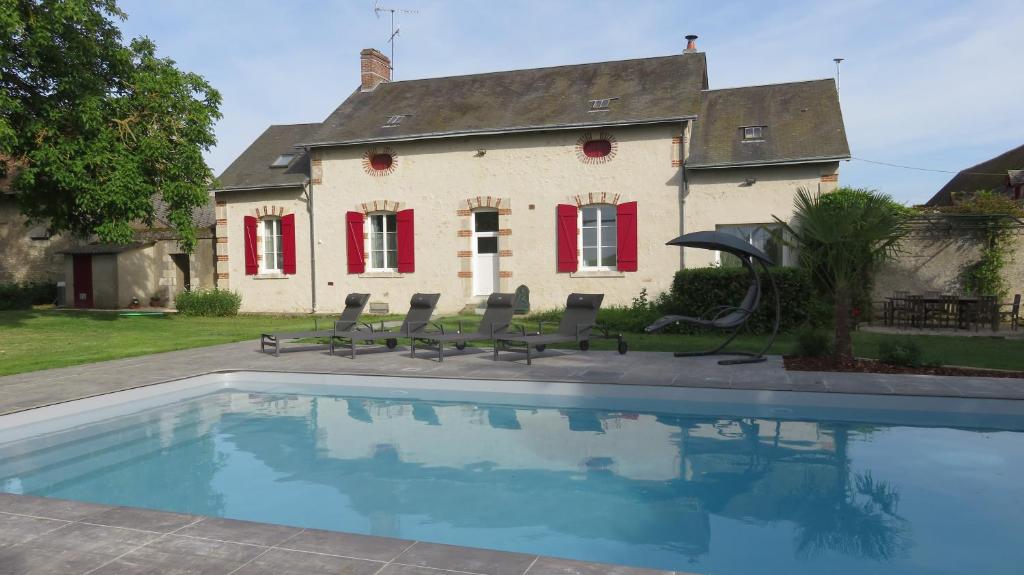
(406, 242)
(626, 236)
(567, 252)
(252, 264)
(354, 235)
(288, 243)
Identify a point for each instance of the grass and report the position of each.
(44, 339)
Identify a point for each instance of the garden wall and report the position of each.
(935, 259)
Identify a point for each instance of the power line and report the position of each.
(926, 169)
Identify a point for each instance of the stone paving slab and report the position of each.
(122, 540)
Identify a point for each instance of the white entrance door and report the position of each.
(485, 252)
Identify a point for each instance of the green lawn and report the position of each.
(43, 339)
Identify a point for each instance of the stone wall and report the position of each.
(27, 253)
(935, 261)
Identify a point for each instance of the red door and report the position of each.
(83, 280)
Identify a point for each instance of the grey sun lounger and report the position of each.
(354, 305)
(421, 307)
(578, 324)
(495, 322)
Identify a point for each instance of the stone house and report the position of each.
(562, 179)
(97, 275)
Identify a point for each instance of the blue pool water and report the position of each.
(721, 494)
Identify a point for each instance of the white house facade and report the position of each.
(564, 179)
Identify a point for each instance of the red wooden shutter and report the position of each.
(354, 235)
(626, 232)
(567, 253)
(252, 264)
(288, 243)
(406, 242)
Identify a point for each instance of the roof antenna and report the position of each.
(838, 61)
(377, 9)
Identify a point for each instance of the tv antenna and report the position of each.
(377, 10)
(838, 61)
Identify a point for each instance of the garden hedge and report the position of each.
(694, 291)
(26, 295)
(210, 303)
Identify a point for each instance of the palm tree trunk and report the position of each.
(844, 341)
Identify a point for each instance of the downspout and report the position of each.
(684, 150)
(312, 234)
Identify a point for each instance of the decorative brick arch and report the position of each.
(373, 151)
(269, 211)
(380, 206)
(602, 135)
(596, 198)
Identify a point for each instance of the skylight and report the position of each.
(395, 121)
(283, 161)
(601, 104)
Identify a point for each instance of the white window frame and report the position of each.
(369, 242)
(753, 133)
(769, 227)
(271, 245)
(579, 240)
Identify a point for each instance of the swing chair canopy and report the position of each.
(722, 242)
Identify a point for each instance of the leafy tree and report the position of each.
(98, 128)
(843, 238)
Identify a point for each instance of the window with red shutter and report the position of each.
(406, 242)
(354, 242)
(252, 263)
(288, 244)
(566, 224)
(627, 237)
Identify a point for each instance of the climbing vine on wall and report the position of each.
(996, 213)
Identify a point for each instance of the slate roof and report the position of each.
(665, 88)
(991, 174)
(252, 168)
(803, 122)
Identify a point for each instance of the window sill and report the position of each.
(270, 276)
(381, 275)
(597, 274)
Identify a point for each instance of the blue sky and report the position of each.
(928, 83)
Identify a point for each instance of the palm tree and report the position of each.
(843, 238)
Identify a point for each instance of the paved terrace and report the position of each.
(52, 536)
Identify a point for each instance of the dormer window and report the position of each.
(753, 133)
(283, 161)
(395, 121)
(601, 104)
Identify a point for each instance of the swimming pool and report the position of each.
(722, 482)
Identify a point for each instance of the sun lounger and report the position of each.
(495, 321)
(578, 324)
(354, 305)
(421, 307)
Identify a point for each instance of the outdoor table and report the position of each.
(962, 304)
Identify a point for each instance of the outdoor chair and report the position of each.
(577, 325)
(1012, 316)
(495, 322)
(729, 318)
(349, 318)
(983, 312)
(421, 307)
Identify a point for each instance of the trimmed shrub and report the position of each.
(813, 343)
(26, 295)
(904, 352)
(695, 291)
(215, 302)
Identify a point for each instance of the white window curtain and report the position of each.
(273, 256)
(383, 242)
(599, 237)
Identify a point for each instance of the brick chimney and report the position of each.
(691, 43)
(374, 68)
